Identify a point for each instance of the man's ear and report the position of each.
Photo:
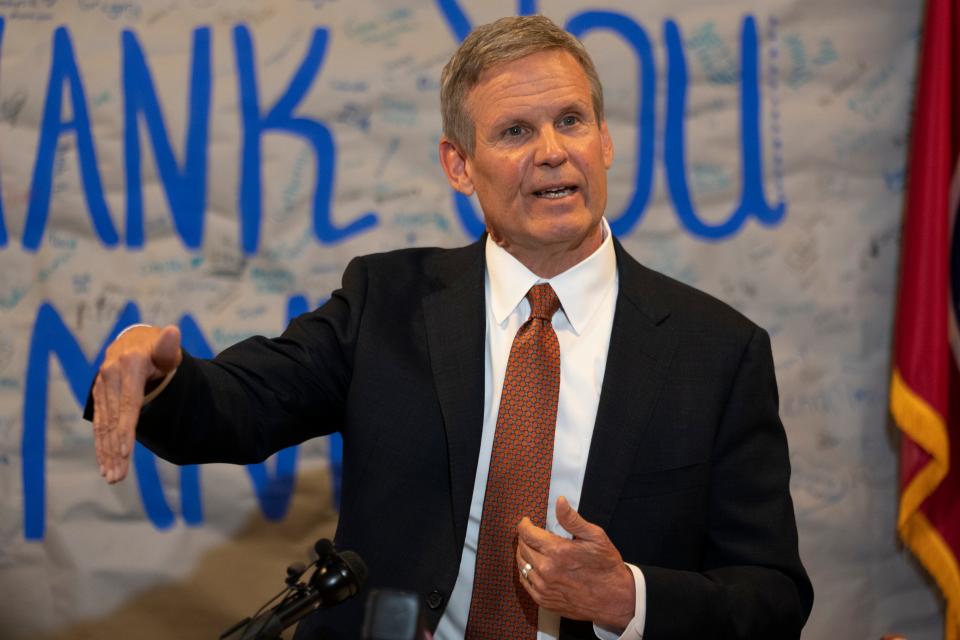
(606, 143)
(454, 163)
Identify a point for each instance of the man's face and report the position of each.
(539, 167)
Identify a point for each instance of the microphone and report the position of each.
(324, 548)
(340, 579)
(393, 615)
(336, 577)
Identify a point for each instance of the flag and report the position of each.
(925, 385)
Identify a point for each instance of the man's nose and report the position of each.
(550, 150)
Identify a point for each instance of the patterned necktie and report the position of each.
(518, 483)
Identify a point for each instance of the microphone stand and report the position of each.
(335, 578)
(271, 624)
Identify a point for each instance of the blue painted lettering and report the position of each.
(3, 226)
(460, 25)
(280, 118)
(456, 19)
(186, 189)
(637, 38)
(753, 202)
(63, 68)
(752, 199)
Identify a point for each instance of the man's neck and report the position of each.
(548, 261)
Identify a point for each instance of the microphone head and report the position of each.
(340, 577)
(324, 548)
(357, 566)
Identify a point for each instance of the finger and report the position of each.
(112, 391)
(572, 522)
(526, 555)
(533, 582)
(99, 411)
(537, 586)
(130, 403)
(534, 536)
(529, 588)
(129, 389)
(120, 470)
(166, 350)
(105, 424)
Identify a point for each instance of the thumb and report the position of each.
(571, 521)
(166, 350)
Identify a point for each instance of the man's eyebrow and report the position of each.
(584, 110)
(510, 119)
(576, 105)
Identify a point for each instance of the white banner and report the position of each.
(215, 165)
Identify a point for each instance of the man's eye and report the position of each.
(569, 121)
(514, 131)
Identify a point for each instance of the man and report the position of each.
(521, 417)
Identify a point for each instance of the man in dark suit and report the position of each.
(662, 484)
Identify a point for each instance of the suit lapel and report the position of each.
(455, 319)
(641, 346)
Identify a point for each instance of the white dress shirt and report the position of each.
(588, 296)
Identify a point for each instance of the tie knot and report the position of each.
(543, 301)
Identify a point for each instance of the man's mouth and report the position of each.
(556, 192)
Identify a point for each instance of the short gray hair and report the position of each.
(504, 40)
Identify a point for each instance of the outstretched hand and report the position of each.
(138, 357)
(581, 579)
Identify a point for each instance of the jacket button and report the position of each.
(434, 599)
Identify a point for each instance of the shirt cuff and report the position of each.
(157, 389)
(634, 630)
(132, 326)
(163, 383)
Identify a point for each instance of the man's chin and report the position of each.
(556, 236)
(551, 232)
(573, 230)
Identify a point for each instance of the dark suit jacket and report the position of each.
(688, 470)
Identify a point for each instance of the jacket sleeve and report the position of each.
(261, 395)
(751, 583)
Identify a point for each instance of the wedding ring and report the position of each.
(525, 571)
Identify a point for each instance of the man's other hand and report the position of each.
(581, 579)
(139, 356)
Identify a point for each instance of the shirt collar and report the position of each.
(580, 288)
